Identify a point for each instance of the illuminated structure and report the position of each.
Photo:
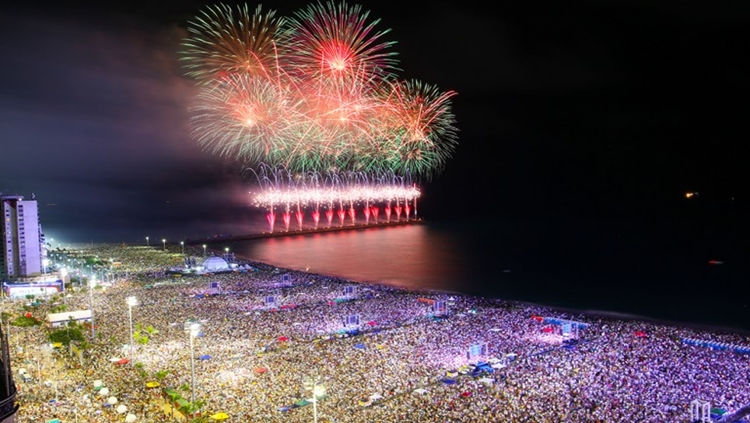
(22, 239)
(312, 106)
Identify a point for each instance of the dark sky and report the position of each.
(591, 108)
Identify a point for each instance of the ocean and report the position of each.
(679, 271)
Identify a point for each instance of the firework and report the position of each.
(223, 42)
(336, 43)
(313, 104)
(421, 121)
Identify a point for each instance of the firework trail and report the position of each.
(313, 103)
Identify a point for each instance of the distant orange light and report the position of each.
(689, 194)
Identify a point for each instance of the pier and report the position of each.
(308, 231)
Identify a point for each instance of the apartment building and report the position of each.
(23, 252)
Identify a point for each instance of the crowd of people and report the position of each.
(383, 354)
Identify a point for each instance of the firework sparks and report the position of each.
(315, 98)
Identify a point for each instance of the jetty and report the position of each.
(304, 231)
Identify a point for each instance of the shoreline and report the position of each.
(400, 351)
(604, 315)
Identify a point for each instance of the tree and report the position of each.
(26, 321)
(161, 375)
(71, 332)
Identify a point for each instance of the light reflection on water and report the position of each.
(631, 267)
(412, 257)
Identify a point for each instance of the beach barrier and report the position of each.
(718, 346)
(562, 322)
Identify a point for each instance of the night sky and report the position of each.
(586, 108)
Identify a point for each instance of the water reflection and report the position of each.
(413, 257)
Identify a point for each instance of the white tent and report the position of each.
(60, 319)
(215, 264)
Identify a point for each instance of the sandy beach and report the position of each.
(398, 360)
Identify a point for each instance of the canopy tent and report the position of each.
(205, 357)
(122, 361)
(260, 370)
(215, 264)
(420, 391)
(448, 381)
(219, 416)
(151, 385)
(359, 346)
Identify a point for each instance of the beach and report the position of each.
(404, 356)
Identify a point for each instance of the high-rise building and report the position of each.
(23, 251)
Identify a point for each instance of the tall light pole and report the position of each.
(147, 244)
(132, 301)
(92, 284)
(182, 245)
(313, 383)
(204, 250)
(63, 273)
(164, 244)
(193, 328)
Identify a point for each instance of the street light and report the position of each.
(313, 383)
(147, 242)
(204, 250)
(193, 328)
(164, 244)
(92, 284)
(132, 301)
(63, 274)
(182, 245)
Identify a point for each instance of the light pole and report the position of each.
(132, 301)
(147, 244)
(63, 274)
(226, 253)
(182, 245)
(193, 329)
(204, 250)
(92, 284)
(313, 383)
(164, 244)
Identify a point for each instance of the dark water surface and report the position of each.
(658, 269)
